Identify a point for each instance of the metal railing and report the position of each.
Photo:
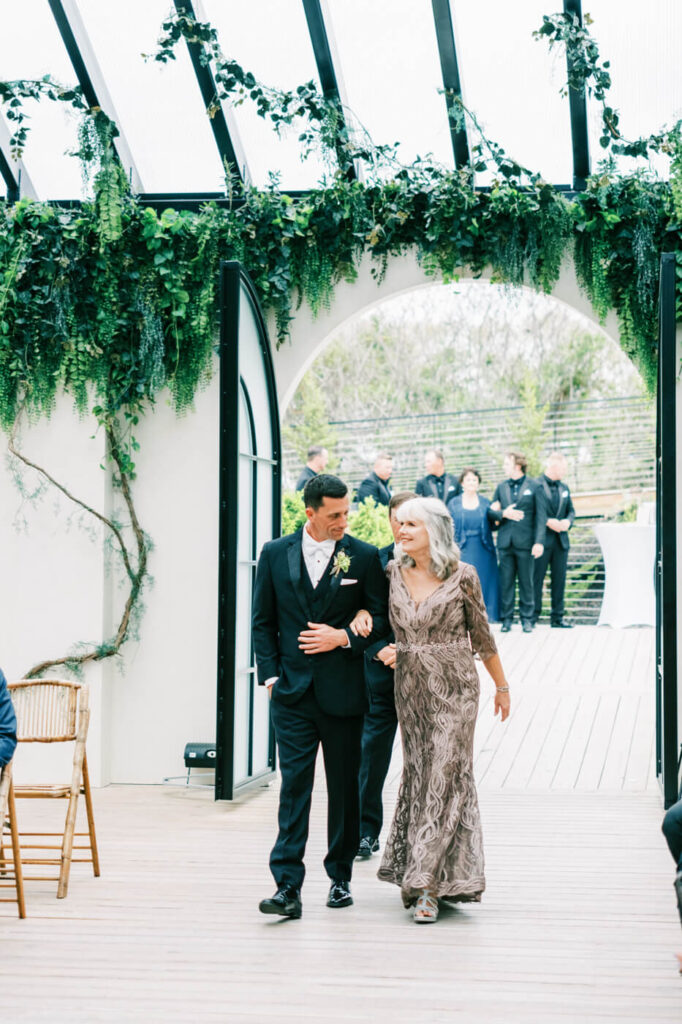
(609, 443)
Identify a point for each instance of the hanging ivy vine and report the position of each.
(113, 302)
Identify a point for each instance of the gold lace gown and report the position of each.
(435, 840)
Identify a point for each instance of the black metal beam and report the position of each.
(667, 740)
(452, 84)
(206, 82)
(75, 55)
(90, 78)
(11, 182)
(324, 59)
(577, 101)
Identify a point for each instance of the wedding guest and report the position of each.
(474, 535)
(8, 724)
(317, 460)
(435, 847)
(520, 514)
(376, 485)
(560, 515)
(378, 732)
(309, 586)
(437, 483)
(672, 830)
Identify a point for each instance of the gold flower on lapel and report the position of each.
(341, 563)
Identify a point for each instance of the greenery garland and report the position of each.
(113, 301)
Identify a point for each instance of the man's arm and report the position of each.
(375, 600)
(540, 516)
(570, 512)
(265, 630)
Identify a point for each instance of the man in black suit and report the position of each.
(376, 484)
(317, 460)
(519, 513)
(309, 587)
(437, 483)
(560, 514)
(378, 732)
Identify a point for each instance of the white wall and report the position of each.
(52, 589)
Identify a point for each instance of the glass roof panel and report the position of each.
(388, 54)
(159, 106)
(269, 38)
(642, 42)
(53, 128)
(511, 83)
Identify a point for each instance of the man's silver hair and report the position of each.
(438, 522)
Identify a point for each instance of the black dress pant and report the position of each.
(378, 734)
(300, 728)
(516, 564)
(556, 558)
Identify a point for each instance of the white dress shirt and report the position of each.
(316, 555)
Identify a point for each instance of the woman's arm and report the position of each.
(496, 672)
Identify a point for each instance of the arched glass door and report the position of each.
(250, 466)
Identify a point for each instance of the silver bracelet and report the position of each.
(502, 689)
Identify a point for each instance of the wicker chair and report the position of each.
(57, 711)
(10, 868)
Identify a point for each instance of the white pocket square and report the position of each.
(345, 582)
(528, 491)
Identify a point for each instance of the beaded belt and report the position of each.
(450, 645)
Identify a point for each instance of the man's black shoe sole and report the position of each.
(268, 907)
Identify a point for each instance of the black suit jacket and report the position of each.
(374, 487)
(565, 510)
(379, 677)
(531, 529)
(305, 475)
(283, 607)
(428, 488)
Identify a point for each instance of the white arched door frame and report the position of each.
(310, 334)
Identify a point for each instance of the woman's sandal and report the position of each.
(426, 908)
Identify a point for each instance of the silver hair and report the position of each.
(438, 522)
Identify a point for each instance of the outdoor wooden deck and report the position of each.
(578, 922)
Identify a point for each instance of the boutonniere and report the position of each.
(341, 563)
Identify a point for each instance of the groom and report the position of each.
(308, 588)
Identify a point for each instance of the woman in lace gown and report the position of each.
(435, 848)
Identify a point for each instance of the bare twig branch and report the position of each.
(135, 576)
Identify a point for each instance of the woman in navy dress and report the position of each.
(473, 533)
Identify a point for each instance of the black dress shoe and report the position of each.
(527, 626)
(367, 847)
(286, 902)
(506, 626)
(339, 894)
(561, 624)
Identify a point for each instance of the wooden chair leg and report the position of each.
(91, 817)
(67, 845)
(16, 851)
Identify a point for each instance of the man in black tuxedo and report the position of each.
(317, 460)
(309, 587)
(520, 515)
(437, 483)
(378, 732)
(560, 514)
(376, 485)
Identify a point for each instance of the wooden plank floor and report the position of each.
(578, 922)
(583, 712)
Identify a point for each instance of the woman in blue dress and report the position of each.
(473, 533)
